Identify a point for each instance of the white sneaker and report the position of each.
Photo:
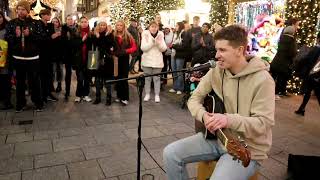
(117, 100)
(172, 90)
(179, 92)
(77, 99)
(125, 102)
(157, 98)
(147, 97)
(87, 99)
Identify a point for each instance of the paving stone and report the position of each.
(86, 170)
(75, 131)
(177, 128)
(3, 139)
(97, 152)
(134, 124)
(114, 178)
(73, 142)
(157, 173)
(33, 148)
(50, 173)
(273, 169)
(16, 164)
(93, 121)
(109, 138)
(118, 165)
(60, 124)
(114, 127)
(158, 142)
(58, 158)
(6, 151)
(124, 148)
(23, 137)
(41, 135)
(14, 176)
(12, 129)
(147, 132)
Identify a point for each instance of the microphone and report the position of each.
(210, 64)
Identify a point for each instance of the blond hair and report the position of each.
(97, 28)
(126, 36)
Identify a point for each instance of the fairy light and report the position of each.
(219, 12)
(308, 12)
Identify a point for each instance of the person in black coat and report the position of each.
(104, 40)
(57, 55)
(24, 36)
(280, 66)
(45, 57)
(309, 83)
(202, 46)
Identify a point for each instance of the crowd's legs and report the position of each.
(57, 75)
(28, 70)
(5, 91)
(178, 78)
(123, 86)
(67, 80)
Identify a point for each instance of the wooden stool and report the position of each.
(205, 169)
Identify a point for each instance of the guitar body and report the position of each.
(212, 103)
(231, 142)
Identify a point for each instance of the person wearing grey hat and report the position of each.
(280, 66)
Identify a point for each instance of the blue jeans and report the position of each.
(196, 148)
(178, 78)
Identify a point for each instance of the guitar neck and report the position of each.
(222, 137)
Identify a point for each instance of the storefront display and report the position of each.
(264, 20)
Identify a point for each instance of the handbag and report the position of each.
(3, 53)
(93, 59)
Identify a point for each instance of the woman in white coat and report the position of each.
(152, 46)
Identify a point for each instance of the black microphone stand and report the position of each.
(140, 85)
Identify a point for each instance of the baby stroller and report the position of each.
(191, 82)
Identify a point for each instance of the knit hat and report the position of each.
(289, 30)
(44, 12)
(24, 4)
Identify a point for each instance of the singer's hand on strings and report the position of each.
(18, 31)
(217, 121)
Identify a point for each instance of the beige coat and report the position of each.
(252, 91)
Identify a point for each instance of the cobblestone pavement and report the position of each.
(94, 142)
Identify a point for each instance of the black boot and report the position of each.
(108, 101)
(97, 101)
(58, 89)
(300, 112)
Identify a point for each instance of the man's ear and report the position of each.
(240, 50)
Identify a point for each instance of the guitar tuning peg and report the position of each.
(245, 145)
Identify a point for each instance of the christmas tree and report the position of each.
(307, 12)
(121, 11)
(153, 7)
(219, 12)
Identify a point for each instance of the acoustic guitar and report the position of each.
(234, 144)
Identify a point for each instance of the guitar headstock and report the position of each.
(239, 152)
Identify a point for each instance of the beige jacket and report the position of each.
(252, 92)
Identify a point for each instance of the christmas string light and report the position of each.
(219, 12)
